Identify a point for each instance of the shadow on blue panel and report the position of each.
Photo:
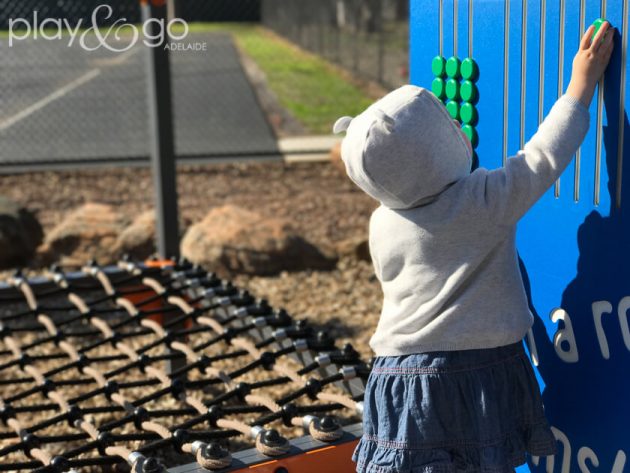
(587, 400)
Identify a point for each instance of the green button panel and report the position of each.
(459, 97)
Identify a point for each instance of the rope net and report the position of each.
(146, 366)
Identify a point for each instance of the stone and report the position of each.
(89, 232)
(138, 239)
(232, 240)
(20, 234)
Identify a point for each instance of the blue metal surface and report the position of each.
(574, 245)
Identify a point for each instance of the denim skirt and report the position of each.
(468, 411)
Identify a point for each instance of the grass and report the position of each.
(312, 89)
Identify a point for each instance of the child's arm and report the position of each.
(507, 193)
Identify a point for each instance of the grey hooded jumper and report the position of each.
(443, 239)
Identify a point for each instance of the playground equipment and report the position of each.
(573, 244)
(84, 385)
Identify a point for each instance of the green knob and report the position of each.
(438, 88)
(453, 109)
(452, 89)
(468, 112)
(452, 67)
(598, 24)
(438, 66)
(468, 91)
(471, 133)
(469, 69)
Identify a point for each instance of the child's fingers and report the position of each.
(597, 41)
(608, 49)
(586, 39)
(607, 45)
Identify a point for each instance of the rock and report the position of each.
(335, 158)
(20, 234)
(138, 239)
(89, 232)
(231, 240)
(356, 247)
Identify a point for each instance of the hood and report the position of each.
(404, 149)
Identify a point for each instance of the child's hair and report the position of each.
(404, 149)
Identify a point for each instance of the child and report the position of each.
(451, 389)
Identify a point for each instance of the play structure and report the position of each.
(573, 244)
(164, 365)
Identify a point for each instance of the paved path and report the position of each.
(63, 105)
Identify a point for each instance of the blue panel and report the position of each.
(462, 29)
(532, 68)
(488, 51)
(575, 254)
(447, 28)
(514, 77)
(423, 24)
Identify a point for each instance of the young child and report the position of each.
(451, 389)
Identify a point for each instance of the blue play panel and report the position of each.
(575, 243)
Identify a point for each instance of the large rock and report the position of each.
(138, 239)
(20, 234)
(232, 240)
(89, 232)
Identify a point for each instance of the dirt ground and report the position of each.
(323, 204)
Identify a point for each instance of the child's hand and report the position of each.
(590, 62)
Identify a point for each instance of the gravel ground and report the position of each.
(323, 204)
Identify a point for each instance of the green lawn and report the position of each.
(313, 90)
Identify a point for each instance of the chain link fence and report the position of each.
(368, 37)
(74, 90)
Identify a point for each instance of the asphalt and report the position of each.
(64, 106)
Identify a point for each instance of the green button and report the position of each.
(469, 69)
(598, 24)
(452, 67)
(468, 112)
(468, 92)
(438, 88)
(438, 66)
(452, 89)
(453, 109)
(471, 133)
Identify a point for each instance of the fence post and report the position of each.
(162, 143)
(356, 31)
(161, 136)
(380, 24)
(337, 27)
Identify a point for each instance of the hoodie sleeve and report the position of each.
(507, 193)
